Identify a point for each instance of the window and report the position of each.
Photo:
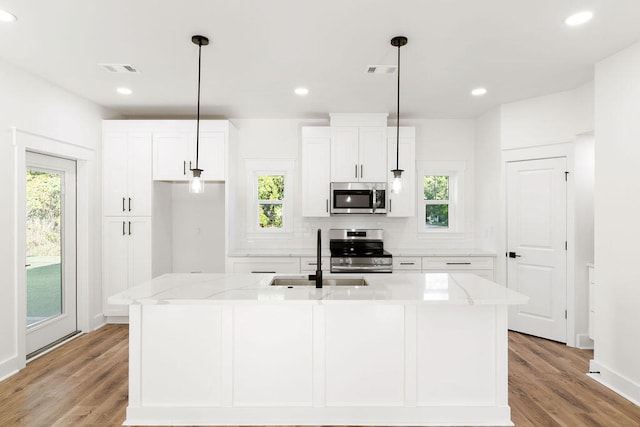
(270, 200)
(436, 200)
(269, 203)
(441, 196)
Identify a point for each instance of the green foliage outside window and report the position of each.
(43, 213)
(436, 187)
(270, 200)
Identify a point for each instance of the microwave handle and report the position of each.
(375, 200)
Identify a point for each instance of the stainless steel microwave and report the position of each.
(358, 198)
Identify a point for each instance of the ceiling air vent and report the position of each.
(382, 69)
(119, 68)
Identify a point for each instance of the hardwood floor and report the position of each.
(84, 383)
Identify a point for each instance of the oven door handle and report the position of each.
(382, 268)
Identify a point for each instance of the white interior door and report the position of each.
(536, 239)
(50, 249)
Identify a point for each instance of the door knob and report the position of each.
(514, 255)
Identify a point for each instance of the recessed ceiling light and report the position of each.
(6, 16)
(124, 91)
(479, 91)
(302, 91)
(579, 18)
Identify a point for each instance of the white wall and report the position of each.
(36, 106)
(197, 229)
(617, 233)
(550, 119)
(280, 139)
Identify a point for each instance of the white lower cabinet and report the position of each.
(309, 264)
(405, 264)
(284, 265)
(479, 265)
(126, 257)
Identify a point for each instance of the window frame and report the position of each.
(455, 170)
(256, 168)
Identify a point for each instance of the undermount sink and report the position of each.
(304, 281)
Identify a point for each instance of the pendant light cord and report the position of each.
(398, 116)
(198, 116)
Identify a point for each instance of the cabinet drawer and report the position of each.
(286, 265)
(457, 263)
(485, 274)
(403, 263)
(309, 263)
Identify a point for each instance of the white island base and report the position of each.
(428, 352)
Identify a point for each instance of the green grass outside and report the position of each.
(44, 295)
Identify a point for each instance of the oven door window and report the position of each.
(352, 199)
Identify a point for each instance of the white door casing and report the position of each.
(536, 245)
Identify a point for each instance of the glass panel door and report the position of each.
(50, 249)
(44, 249)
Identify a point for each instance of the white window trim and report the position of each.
(255, 168)
(456, 172)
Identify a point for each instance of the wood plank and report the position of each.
(84, 383)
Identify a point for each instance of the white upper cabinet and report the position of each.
(358, 154)
(316, 179)
(402, 204)
(174, 150)
(174, 155)
(127, 184)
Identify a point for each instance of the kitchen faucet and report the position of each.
(318, 276)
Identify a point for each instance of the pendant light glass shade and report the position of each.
(196, 184)
(396, 186)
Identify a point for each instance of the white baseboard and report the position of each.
(117, 319)
(8, 368)
(97, 322)
(584, 342)
(625, 387)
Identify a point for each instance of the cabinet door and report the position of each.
(344, 154)
(211, 158)
(171, 156)
(372, 154)
(316, 166)
(140, 183)
(115, 170)
(139, 255)
(114, 262)
(402, 204)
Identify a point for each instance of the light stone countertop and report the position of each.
(394, 251)
(240, 288)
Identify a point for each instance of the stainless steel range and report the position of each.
(358, 251)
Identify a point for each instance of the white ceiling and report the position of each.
(262, 49)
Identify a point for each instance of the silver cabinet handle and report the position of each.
(390, 205)
(129, 204)
(458, 263)
(129, 228)
(123, 225)
(184, 167)
(356, 170)
(361, 171)
(407, 263)
(123, 209)
(258, 271)
(327, 205)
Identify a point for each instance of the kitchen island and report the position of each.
(229, 349)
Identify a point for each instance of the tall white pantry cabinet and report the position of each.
(135, 153)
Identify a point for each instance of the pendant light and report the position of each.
(196, 184)
(396, 187)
